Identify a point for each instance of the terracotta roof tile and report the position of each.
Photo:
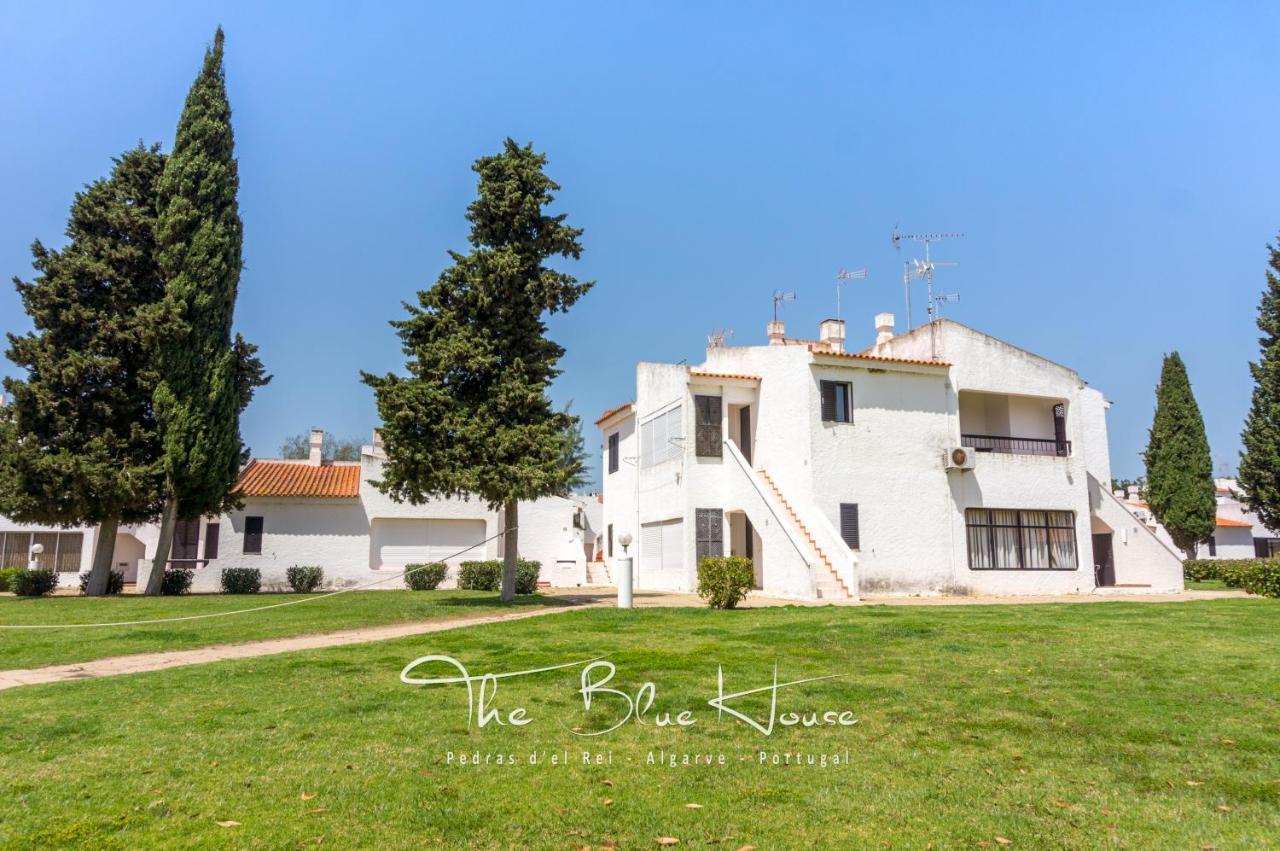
(298, 478)
(1235, 524)
(613, 411)
(860, 356)
(699, 373)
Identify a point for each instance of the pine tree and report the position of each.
(1179, 466)
(1259, 473)
(206, 377)
(79, 444)
(473, 416)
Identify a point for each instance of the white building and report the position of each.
(939, 461)
(310, 512)
(1238, 533)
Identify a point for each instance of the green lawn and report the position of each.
(30, 648)
(1084, 726)
(1207, 585)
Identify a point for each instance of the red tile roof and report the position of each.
(613, 411)
(1235, 524)
(859, 356)
(698, 373)
(298, 478)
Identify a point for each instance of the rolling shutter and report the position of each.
(710, 532)
(849, 525)
(613, 452)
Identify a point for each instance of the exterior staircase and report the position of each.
(830, 585)
(598, 573)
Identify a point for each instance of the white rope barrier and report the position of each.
(307, 599)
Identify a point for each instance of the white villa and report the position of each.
(1238, 532)
(311, 512)
(942, 460)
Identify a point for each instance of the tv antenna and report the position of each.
(943, 298)
(717, 337)
(779, 297)
(845, 275)
(921, 268)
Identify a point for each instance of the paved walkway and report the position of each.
(574, 598)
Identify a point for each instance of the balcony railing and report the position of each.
(1016, 445)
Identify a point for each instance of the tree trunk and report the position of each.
(104, 549)
(168, 520)
(510, 533)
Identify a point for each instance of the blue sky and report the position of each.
(1113, 169)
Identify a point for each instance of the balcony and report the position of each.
(1016, 445)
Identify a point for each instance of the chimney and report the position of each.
(377, 440)
(831, 334)
(1133, 493)
(775, 332)
(884, 328)
(317, 447)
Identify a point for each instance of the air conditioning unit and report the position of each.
(959, 458)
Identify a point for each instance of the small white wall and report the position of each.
(1140, 557)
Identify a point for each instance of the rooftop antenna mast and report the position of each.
(943, 298)
(842, 276)
(921, 268)
(778, 298)
(717, 337)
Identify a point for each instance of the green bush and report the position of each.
(1200, 569)
(7, 577)
(1232, 571)
(241, 580)
(115, 582)
(487, 575)
(425, 577)
(1263, 578)
(304, 578)
(34, 583)
(724, 580)
(176, 581)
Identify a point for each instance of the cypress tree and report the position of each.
(79, 446)
(206, 377)
(473, 417)
(1179, 466)
(1259, 473)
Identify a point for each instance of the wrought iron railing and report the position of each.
(1016, 445)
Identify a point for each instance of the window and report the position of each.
(710, 532)
(186, 543)
(1266, 547)
(253, 535)
(61, 550)
(211, 531)
(849, 524)
(610, 542)
(1004, 539)
(661, 436)
(707, 429)
(837, 406)
(1213, 546)
(613, 452)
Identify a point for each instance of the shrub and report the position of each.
(7, 577)
(1200, 570)
(1263, 578)
(176, 581)
(425, 577)
(487, 575)
(241, 580)
(115, 582)
(304, 578)
(724, 580)
(34, 583)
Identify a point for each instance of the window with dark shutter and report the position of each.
(1213, 547)
(708, 441)
(253, 535)
(849, 524)
(211, 531)
(613, 452)
(610, 541)
(186, 542)
(1060, 429)
(709, 532)
(836, 407)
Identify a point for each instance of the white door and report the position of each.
(400, 542)
(662, 556)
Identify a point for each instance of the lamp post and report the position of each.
(33, 561)
(624, 572)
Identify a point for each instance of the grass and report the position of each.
(1080, 726)
(1207, 585)
(32, 648)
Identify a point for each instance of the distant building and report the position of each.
(1238, 534)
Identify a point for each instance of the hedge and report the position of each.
(176, 581)
(425, 577)
(241, 580)
(115, 582)
(33, 583)
(304, 578)
(487, 575)
(1256, 575)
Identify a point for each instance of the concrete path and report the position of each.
(574, 598)
(140, 662)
